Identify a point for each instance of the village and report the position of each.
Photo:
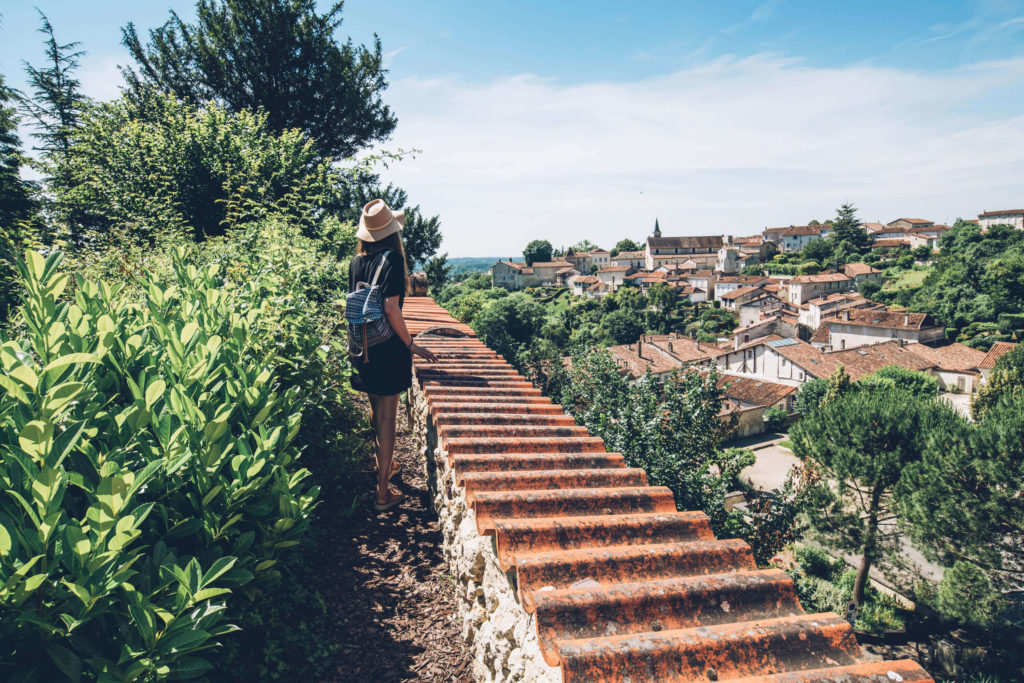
(790, 329)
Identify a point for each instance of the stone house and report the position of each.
(905, 223)
(514, 276)
(633, 259)
(853, 327)
(804, 287)
(1014, 217)
(741, 295)
(814, 311)
(799, 236)
(776, 359)
(613, 276)
(861, 273)
(580, 283)
(988, 363)
(748, 392)
(957, 367)
(727, 283)
(664, 250)
(753, 310)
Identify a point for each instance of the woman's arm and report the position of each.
(397, 320)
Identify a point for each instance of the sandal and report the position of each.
(393, 499)
(396, 469)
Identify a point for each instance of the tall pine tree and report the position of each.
(54, 107)
(276, 55)
(17, 200)
(847, 227)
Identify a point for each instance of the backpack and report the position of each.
(364, 313)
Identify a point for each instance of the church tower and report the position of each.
(657, 229)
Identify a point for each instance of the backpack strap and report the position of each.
(376, 275)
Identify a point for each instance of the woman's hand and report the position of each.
(423, 353)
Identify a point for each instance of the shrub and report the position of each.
(149, 461)
(776, 418)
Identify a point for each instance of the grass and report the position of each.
(907, 279)
(786, 443)
(552, 301)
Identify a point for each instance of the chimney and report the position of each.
(906, 320)
(846, 315)
(736, 342)
(640, 347)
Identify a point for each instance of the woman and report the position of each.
(387, 370)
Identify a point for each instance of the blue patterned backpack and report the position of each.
(364, 312)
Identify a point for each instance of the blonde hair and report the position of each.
(392, 242)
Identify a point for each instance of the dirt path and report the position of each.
(390, 589)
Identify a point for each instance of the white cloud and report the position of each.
(727, 146)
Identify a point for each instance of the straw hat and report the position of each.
(378, 221)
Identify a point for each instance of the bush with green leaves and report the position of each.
(150, 483)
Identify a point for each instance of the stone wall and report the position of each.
(501, 635)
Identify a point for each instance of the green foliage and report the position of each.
(149, 468)
(584, 245)
(776, 418)
(537, 251)
(860, 440)
(962, 503)
(811, 394)
(847, 228)
(976, 277)
(911, 381)
(17, 201)
(869, 288)
(623, 326)
(922, 253)
(275, 56)
(53, 108)
(159, 166)
(624, 245)
(437, 270)
(509, 324)
(1006, 379)
(967, 596)
(826, 585)
(808, 268)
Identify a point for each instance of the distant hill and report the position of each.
(473, 264)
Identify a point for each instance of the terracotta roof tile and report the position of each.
(820, 277)
(953, 356)
(853, 269)
(998, 350)
(619, 583)
(864, 360)
(756, 391)
(738, 292)
(1004, 212)
(696, 242)
(891, 320)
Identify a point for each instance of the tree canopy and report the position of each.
(537, 250)
(860, 440)
(278, 56)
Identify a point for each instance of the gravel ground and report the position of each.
(386, 580)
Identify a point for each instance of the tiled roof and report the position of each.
(812, 360)
(822, 335)
(998, 350)
(693, 242)
(637, 359)
(873, 227)
(613, 269)
(853, 269)
(786, 228)
(552, 264)
(620, 585)
(955, 356)
(834, 297)
(863, 360)
(736, 279)
(912, 220)
(738, 292)
(891, 243)
(630, 255)
(890, 320)
(514, 264)
(686, 350)
(800, 230)
(563, 271)
(1004, 212)
(819, 277)
(586, 279)
(756, 391)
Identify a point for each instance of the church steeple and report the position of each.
(657, 228)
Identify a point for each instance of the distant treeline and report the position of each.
(474, 264)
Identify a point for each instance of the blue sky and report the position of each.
(573, 119)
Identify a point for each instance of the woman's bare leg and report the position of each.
(383, 413)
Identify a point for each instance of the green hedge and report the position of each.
(148, 461)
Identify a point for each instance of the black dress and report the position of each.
(389, 370)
